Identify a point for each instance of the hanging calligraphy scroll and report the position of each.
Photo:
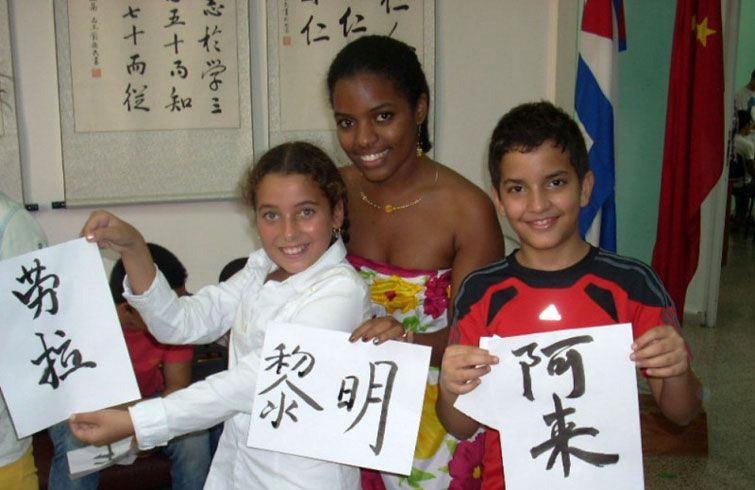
(304, 37)
(10, 167)
(155, 99)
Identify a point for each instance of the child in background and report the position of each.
(541, 179)
(300, 276)
(160, 370)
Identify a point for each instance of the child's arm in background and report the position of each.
(662, 353)
(110, 232)
(460, 373)
(177, 376)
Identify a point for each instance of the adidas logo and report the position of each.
(550, 313)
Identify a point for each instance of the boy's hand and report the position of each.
(380, 329)
(111, 232)
(462, 367)
(102, 427)
(662, 352)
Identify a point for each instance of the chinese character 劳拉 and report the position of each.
(69, 362)
(34, 297)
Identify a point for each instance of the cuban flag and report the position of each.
(602, 36)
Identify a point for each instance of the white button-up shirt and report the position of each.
(329, 294)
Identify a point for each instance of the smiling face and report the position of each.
(294, 220)
(541, 196)
(376, 124)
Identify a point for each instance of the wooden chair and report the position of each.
(660, 436)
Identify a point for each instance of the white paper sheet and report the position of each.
(608, 404)
(62, 349)
(87, 460)
(324, 366)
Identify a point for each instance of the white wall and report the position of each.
(490, 55)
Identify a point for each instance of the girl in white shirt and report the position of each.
(300, 276)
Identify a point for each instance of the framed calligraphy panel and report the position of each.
(155, 99)
(10, 159)
(303, 37)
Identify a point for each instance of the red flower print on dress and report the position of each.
(465, 467)
(437, 292)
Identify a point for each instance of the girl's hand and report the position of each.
(380, 329)
(661, 352)
(102, 427)
(108, 231)
(111, 232)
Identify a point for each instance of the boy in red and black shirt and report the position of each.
(541, 179)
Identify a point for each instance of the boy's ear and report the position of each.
(497, 201)
(588, 182)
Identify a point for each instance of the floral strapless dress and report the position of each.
(419, 299)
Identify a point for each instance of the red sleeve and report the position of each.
(646, 318)
(471, 327)
(178, 353)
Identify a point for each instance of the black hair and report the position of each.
(232, 268)
(172, 268)
(752, 76)
(390, 58)
(744, 118)
(300, 158)
(526, 127)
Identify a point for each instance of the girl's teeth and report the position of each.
(293, 250)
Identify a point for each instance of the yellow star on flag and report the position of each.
(702, 30)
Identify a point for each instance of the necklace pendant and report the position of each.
(389, 209)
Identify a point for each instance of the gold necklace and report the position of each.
(390, 208)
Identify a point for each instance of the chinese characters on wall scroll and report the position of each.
(304, 37)
(143, 64)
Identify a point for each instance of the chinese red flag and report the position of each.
(693, 154)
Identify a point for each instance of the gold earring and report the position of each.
(336, 232)
(420, 152)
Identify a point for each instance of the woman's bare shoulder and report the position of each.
(460, 192)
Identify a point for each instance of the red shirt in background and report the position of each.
(148, 355)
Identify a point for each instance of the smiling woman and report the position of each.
(417, 227)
